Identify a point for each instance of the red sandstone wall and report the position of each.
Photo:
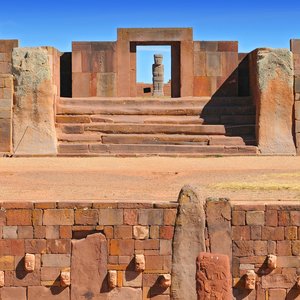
(259, 230)
(47, 229)
(94, 69)
(215, 65)
(295, 48)
(6, 47)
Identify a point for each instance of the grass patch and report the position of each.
(258, 186)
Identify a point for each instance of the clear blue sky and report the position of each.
(58, 22)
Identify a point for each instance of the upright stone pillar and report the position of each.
(158, 75)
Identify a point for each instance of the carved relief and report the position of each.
(29, 262)
(158, 75)
(65, 278)
(139, 262)
(272, 262)
(213, 277)
(250, 280)
(165, 280)
(112, 279)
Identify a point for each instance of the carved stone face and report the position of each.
(165, 280)
(112, 278)
(250, 280)
(139, 262)
(65, 278)
(158, 58)
(29, 262)
(272, 261)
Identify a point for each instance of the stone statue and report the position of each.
(112, 278)
(250, 280)
(29, 262)
(158, 75)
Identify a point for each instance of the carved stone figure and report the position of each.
(1, 278)
(272, 262)
(29, 262)
(158, 75)
(213, 277)
(139, 262)
(165, 280)
(112, 279)
(250, 280)
(65, 278)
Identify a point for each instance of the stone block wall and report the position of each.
(6, 47)
(6, 103)
(295, 48)
(56, 234)
(215, 65)
(94, 69)
(260, 230)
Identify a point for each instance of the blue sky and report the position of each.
(58, 22)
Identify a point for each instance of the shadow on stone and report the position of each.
(56, 290)
(293, 293)
(239, 291)
(156, 289)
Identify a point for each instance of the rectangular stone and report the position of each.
(213, 64)
(150, 217)
(53, 292)
(295, 46)
(56, 260)
(110, 216)
(132, 279)
(228, 46)
(255, 217)
(86, 217)
(278, 281)
(288, 261)
(297, 106)
(7, 263)
(58, 217)
(19, 217)
(13, 293)
(272, 233)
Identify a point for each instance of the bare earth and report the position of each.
(149, 179)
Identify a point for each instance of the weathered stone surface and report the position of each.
(125, 293)
(33, 120)
(13, 293)
(89, 268)
(218, 212)
(45, 293)
(213, 276)
(188, 242)
(272, 88)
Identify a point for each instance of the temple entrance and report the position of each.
(142, 63)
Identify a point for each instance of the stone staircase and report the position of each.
(156, 126)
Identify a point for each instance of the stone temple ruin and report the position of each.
(88, 102)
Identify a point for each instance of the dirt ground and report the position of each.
(149, 179)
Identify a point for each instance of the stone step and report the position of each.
(182, 110)
(140, 119)
(129, 149)
(172, 139)
(127, 128)
(189, 101)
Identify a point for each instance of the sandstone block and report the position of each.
(89, 267)
(291, 232)
(271, 218)
(33, 121)
(166, 232)
(109, 216)
(7, 263)
(41, 292)
(86, 216)
(56, 260)
(65, 232)
(59, 246)
(272, 86)
(13, 293)
(112, 277)
(296, 248)
(213, 276)
(188, 242)
(255, 217)
(125, 293)
(18, 217)
(123, 232)
(121, 247)
(25, 232)
(1, 278)
(278, 281)
(130, 216)
(10, 232)
(277, 294)
(272, 233)
(150, 217)
(284, 248)
(132, 279)
(238, 217)
(22, 278)
(140, 232)
(52, 232)
(58, 217)
(241, 233)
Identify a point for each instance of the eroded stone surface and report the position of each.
(125, 293)
(1, 278)
(33, 118)
(112, 278)
(89, 268)
(213, 277)
(188, 242)
(139, 262)
(46, 293)
(250, 280)
(272, 87)
(272, 261)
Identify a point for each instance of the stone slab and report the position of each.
(46, 293)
